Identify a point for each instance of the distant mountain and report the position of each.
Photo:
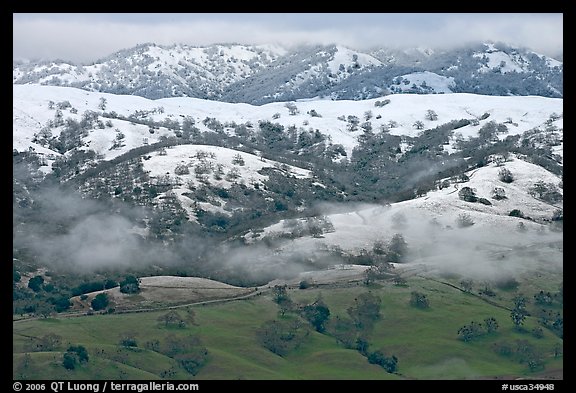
(306, 73)
(267, 73)
(155, 71)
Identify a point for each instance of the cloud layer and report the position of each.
(88, 37)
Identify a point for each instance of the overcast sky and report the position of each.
(87, 37)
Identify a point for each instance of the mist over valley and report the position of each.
(325, 194)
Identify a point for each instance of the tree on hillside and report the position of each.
(518, 316)
(371, 274)
(365, 311)
(557, 350)
(285, 304)
(362, 345)
(491, 325)
(419, 300)
(193, 360)
(74, 354)
(343, 330)
(543, 298)
(188, 351)
(390, 364)
(280, 297)
(431, 115)
(100, 302)
(292, 108)
(102, 104)
(467, 285)
(498, 193)
(43, 309)
(313, 113)
(467, 194)
(317, 314)
(171, 318)
(520, 301)
(128, 340)
(130, 284)
(548, 192)
(35, 283)
(280, 337)
(279, 293)
(48, 342)
(469, 332)
(505, 175)
(238, 160)
(379, 104)
(69, 361)
(464, 220)
(353, 122)
(397, 249)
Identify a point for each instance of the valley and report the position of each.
(243, 228)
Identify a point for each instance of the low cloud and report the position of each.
(86, 38)
(492, 249)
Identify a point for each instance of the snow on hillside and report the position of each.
(30, 111)
(190, 166)
(430, 221)
(503, 62)
(344, 58)
(224, 63)
(404, 109)
(426, 80)
(337, 273)
(309, 73)
(425, 222)
(177, 70)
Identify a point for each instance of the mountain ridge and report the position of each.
(259, 74)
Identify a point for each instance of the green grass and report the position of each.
(425, 341)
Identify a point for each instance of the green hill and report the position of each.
(425, 341)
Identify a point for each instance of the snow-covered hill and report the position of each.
(192, 166)
(423, 82)
(504, 61)
(494, 245)
(396, 114)
(235, 172)
(259, 74)
(307, 73)
(156, 71)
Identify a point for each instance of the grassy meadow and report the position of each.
(425, 341)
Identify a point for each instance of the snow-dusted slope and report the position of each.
(429, 225)
(156, 71)
(31, 112)
(305, 73)
(191, 166)
(107, 126)
(504, 61)
(423, 82)
(259, 74)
